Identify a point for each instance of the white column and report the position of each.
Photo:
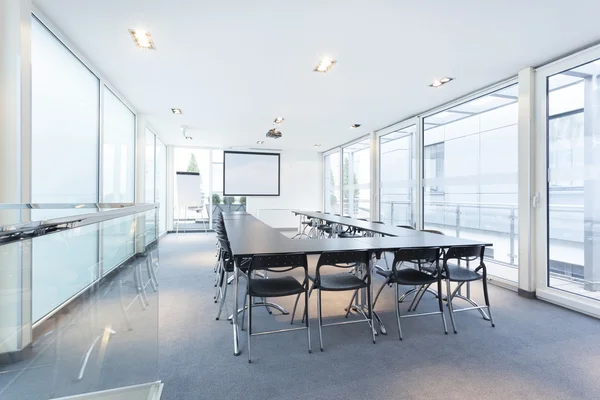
(526, 171)
(15, 152)
(592, 185)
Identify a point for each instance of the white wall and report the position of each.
(301, 189)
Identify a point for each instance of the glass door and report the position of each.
(568, 182)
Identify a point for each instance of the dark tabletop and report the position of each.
(365, 226)
(249, 236)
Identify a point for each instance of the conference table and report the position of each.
(248, 236)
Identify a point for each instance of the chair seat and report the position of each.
(460, 274)
(409, 276)
(349, 236)
(275, 287)
(342, 281)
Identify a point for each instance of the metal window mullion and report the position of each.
(100, 172)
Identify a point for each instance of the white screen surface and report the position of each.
(251, 174)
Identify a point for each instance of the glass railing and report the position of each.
(78, 301)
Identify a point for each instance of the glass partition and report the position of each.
(150, 176)
(573, 135)
(470, 175)
(161, 185)
(89, 333)
(356, 179)
(397, 177)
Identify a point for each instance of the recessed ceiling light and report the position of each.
(324, 65)
(440, 82)
(279, 120)
(142, 39)
(317, 145)
(176, 111)
(260, 141)
(354, 126)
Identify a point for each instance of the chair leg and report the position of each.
(244, 306)
(487, 300)
(387, 281)
(307, 321)
(396, 289)
(312, 287)
(449, 300)
(294, 310)
(440, 302)
(350, 303)
(223, 295)
(370, 304)
(320, 318)
(249, 325)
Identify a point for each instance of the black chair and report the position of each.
(461, 275)
(344, 281)
(415, 277)
(276, 286)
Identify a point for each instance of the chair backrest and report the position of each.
(421, 256)
(378, 222)
(343, 259)
(279, 262)
(405, 226)
(467, 254)
(432, 231)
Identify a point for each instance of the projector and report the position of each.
(273, 133)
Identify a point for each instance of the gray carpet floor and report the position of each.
(536, 351)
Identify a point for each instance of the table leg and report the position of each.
(236, 345)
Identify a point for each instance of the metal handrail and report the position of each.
(30, 229)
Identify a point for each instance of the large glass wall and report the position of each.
(161, 184)
(398, 177)
(331, 165)
(356, 179)
(470, 185)
(64, 165)
(118, 178)
(573, 138)
(149, 178)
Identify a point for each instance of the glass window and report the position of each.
(161, 184)
(64, 167)
(331, 164)
(356, 179)
(118, 179)
(470, 165)
(573, 130)
(118, 151)
(397, 177)
(150, 175)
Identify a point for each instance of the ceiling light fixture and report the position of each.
(354, 126)
(142, 39)
(176, 111)
(439, 82)
(260, 141)
(317, 145)
(279, 120)
(324, 65)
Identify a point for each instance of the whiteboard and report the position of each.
(250, 174)
(189, 189)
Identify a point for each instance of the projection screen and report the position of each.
(250, 174)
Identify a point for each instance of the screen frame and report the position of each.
(225, 152)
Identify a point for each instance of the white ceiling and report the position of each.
(233, 66)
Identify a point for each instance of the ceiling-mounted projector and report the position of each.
(273, 133)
